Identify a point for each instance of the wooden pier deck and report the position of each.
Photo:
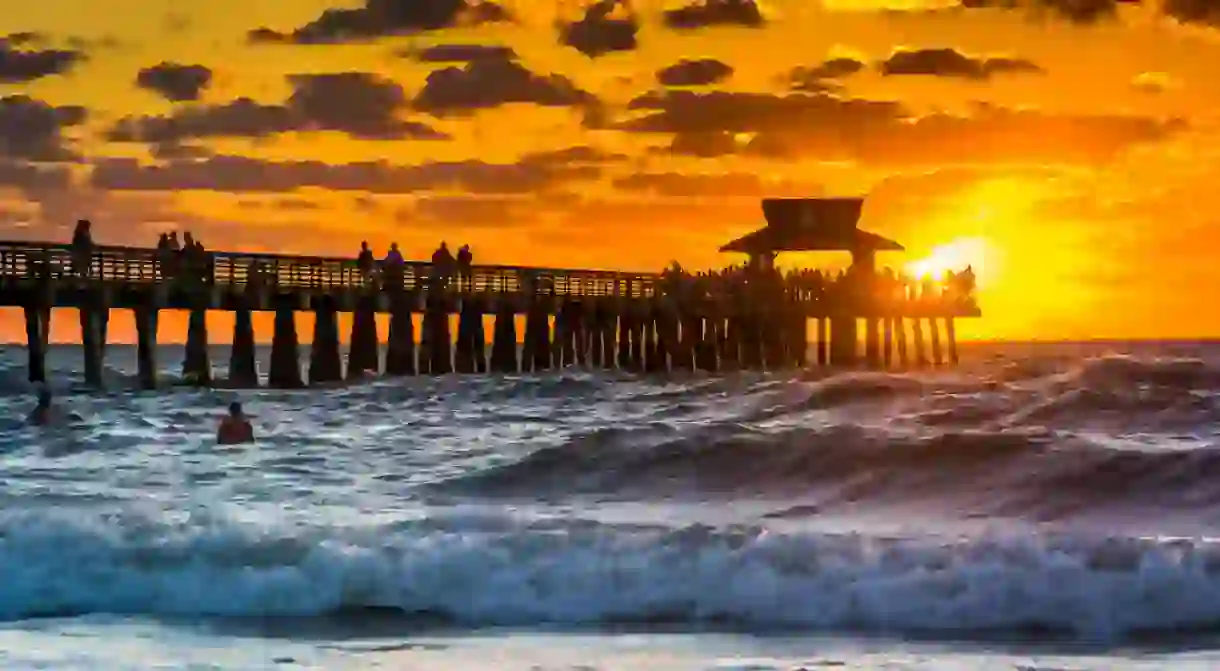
(647, 322)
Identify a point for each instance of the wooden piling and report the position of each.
(872, 343)
(37, 324)
(469, 316)
(400, 350)
(823, 337)
(937, 355)
(146, 345)
(437, 343)
(325, 363)
(364, 354)
(94, 316)
(900, 328)
(594, 319)
(537, 336)
(197, 365)
(608, 325)
(243, 371)
(887, 343)
(921, 355)
(799, 336)
(504, 339)
(951, 339)
(285, 370)
(565, 334)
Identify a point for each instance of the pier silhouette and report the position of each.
(754, 318)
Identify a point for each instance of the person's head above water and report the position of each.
(235, 409)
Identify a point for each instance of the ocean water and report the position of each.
(1039, 507)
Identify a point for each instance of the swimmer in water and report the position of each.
(235, 428)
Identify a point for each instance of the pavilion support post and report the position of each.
(822, 325)
(325, 364)
(921, 353)
(799, 336)
(146, 345)
(504, 339)
(37, 323)
(285, 370)
(197, 367)
(363, 354)
(872, 342)
(951, 339)
(243, 372)
(436, 330)
(887, 343)
(937, 354)
(400, 350)
(900, 331)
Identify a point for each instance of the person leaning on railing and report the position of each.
(82, 248)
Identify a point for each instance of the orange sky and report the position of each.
(1069, 156)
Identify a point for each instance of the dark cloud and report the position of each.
(488, 83)
(1076, 11)
(32, 179)
(701, 72)
(470, 211)
(241, 174)
(819, 78)
(1193, 11)
(607, 26)
(461, 53)
(32, 130)
(174, 81)
(381, 18)
(362, 105)
(673, 184)
(952, 63)
(884, 132)
(20, 64)
(708, 13)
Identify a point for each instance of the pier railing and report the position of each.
(136, 265)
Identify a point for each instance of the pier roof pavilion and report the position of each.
(813, 225)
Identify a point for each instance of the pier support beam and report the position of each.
(504, 339)
(921, 354)
(285, 360)
(243, 371)
(94, 317)
(363, 355)
(37, 329)
(463, 354)
(887, 343)
(197, 366)
(536, 355)
(937, 355)
(625, 327)
(951, 339)
(872, 342)
(325, 364)
(437, 342)
(146, 345)
(400, 351)
(607, 324)
(900, 332)
(823, 340)
(800, 336)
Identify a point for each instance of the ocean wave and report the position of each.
(589, 574)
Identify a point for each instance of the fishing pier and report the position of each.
(643, 322)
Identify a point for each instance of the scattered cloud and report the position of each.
(20, 64)
(32, 130)
(1205, 12)
(461, 53)
(1152, 82)
(832, 128)
(701, 72)
(674, 184)
(174, 81)
(711, 13)
(1076, 11)
(490, 82)
(820, 78)
(952, 63)
(382, 18)
(363, 105)
(607, 26)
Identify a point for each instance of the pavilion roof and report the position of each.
(811, 225)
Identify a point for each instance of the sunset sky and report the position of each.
(1068, 149)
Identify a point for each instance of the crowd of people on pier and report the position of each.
(444, 268)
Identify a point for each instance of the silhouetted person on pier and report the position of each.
(465, 266)
(173, 241)
(365, 262)
(82, 248)
(167, 260)
(442, 265)
(235, 428)
(392, 267)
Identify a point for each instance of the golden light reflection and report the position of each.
(953, 257)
